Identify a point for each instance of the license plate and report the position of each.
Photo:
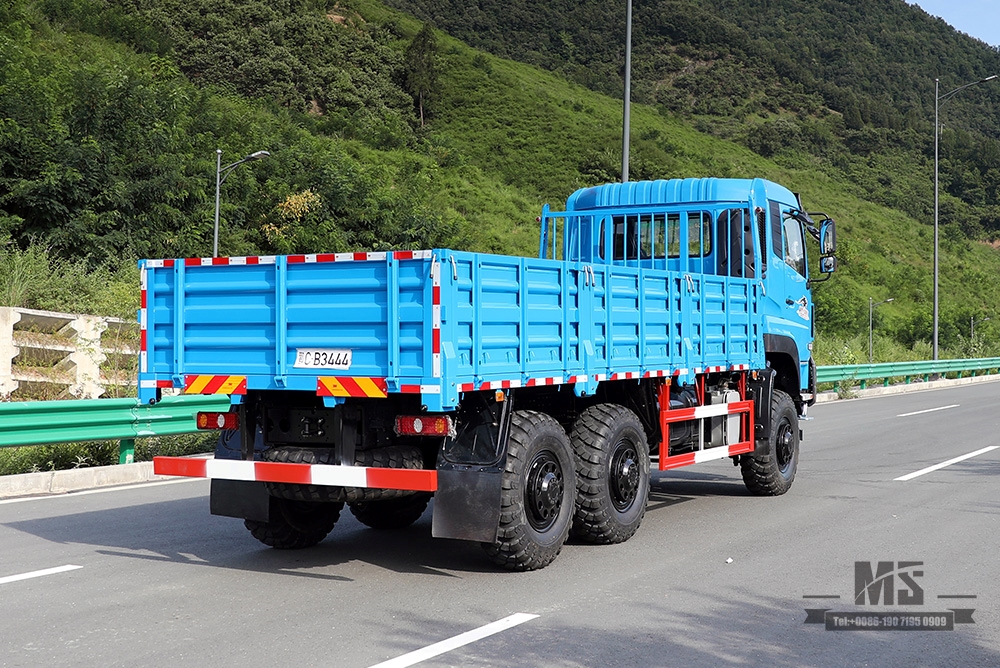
(322, 358)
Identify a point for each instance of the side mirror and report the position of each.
(828, 237)
(827, 265)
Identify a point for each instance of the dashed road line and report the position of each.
(460, 640)
(929, 469)
(37, 574)
(929, 410)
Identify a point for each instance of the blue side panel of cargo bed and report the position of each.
(508, 320)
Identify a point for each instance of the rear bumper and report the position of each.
(417, 480)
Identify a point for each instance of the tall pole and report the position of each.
(871, 309)
(218, 188)
(937, 104)
(628, 92)
(220, 177)
(937, 101)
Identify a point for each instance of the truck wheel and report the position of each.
(391, 513)
(295, 524)
(612, 474)
(538, 485)
(772, 474)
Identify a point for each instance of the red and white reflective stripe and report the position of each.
(337, 257)
(155, 384)
(412, 255)
(420, 389)
(500, 384)
(740, 367)
(420, 480)
(143, 323)
(711, 369)
(436, 318)
(250, 260)
(227, 261)
(555, 380)
(708, 455)
(560, 380)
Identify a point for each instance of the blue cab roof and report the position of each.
(674, 191)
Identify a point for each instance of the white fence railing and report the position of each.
(47, 355)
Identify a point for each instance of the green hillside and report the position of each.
(111, 111)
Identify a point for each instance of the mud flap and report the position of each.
(467, 503)
(245, 499)
(761, 390)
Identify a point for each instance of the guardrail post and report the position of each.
(126, 451)
(87, 357)
(8, 351)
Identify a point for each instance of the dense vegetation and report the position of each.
(384, 133)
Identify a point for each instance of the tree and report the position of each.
(421, 68)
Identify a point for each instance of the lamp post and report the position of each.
(220, 177)
(972, 326)
(626, 121)
(938, 99)
(871, 320)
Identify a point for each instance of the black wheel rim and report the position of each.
(784, 446)
(623, 475)
(543, 490)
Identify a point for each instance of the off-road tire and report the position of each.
(538, 485)
(294, 525)
(772, 474)
(395, 457)
(391, 513)
(612, 474)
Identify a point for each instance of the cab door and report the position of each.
(789, 309)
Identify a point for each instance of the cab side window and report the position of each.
(794, 248)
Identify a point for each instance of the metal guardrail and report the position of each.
(906, 370)
(124, 420)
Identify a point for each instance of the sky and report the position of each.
(979, 18)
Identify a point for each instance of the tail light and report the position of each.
(424, 425)
(226, 421)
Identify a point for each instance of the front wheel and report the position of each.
(772, 474)
(538, 486)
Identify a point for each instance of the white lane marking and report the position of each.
(460, 640)
(911, 476)
(929, 410)
(99, 490)
(38, 574)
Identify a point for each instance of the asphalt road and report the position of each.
(160, 582)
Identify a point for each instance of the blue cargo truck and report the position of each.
(664, 323)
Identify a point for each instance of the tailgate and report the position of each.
(356, 324)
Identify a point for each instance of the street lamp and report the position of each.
(220, 177)
(938, 99)
(626, 121)
(871, 313)
(972, 326)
